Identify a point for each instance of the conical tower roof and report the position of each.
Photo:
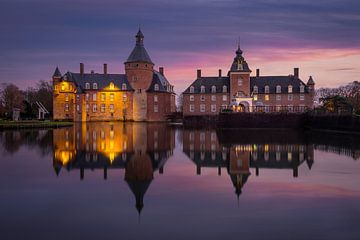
(57, 72)
(139, 53)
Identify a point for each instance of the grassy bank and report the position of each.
(32, 124)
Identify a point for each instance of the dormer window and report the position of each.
(267, 89)
(224, 89)
(302, 88)
(95, 86)
(87, 85)
(278, 89)
(290, 89)
(213, 89)
(123, 87)
(112, 86)
(156, 87)
(202, 89)
(256, 89)
(191, 89)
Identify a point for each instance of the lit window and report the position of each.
(102, 109)
(112, 86)
(256, 89)
(155, 98)
(124, 98)
(278, 97)
(213, 97)
(123, 87)
(192, 89)
(191, 108)
(156, 87)
(202, 98)
(302, 97)
(94, 96)
(95, 86)
(290, 97)
(111, 107)
(202, 89)
(202, 107)
(224, 97)
(94, 108)
(78, 107)
(267, 97)
(191, 98)
(290, 89)
(156, 108)
(266, 89)
(278, 89)
(111, 97)
(134, 78)
(213, 107)
(255, 97)
(66, 97)
(87, 85)
(66, 107)
(302, 88)
(103, 96)
(224, 88)
(87, 97)
(213, 89)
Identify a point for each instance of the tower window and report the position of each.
(123, 87)
(156, 87)
(240, 82)
(155, 98)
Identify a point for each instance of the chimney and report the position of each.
(81, 68)
(105, 68)
(199, 73)
(161, 70)
(257, 72)
(219, 72)
(296, 72)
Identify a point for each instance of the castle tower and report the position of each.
(311, 87)
(139, 72)
(239, 76)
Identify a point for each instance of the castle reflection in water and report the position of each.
(141, 149)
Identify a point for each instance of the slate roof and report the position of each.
(260, 82)
(239, 60)
(57, 73)
(102, 80)
(273, 81)
(161, 81)
(208, 82)
(139, 53)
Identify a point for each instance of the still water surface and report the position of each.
(154, 181)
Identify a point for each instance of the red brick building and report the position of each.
(141, 94)
(240, 92)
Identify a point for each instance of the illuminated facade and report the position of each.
(238, 92)
(141, 94)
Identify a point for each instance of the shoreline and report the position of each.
(5, 125)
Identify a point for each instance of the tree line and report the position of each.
(12, 97)
(343, 98)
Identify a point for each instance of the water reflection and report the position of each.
(140, 149)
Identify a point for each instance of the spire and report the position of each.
(310, 81)
(239, 51)
(239, 64)
(139, 53)
(57, 72)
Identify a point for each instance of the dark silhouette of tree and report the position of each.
(11, 97)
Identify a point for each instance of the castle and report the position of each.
(238, 92)
(141, 94)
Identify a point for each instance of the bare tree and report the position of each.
(11, 97)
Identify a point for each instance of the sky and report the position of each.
(320, 37)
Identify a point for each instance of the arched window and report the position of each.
(213, 89)
(95, 86)
(256, 89)
(87, 85)
(302, 88)
(123, 87)
(156, 87)
(224, 88)
(266, 89)
(192, 89)
(202, 89)
(112, 85)
(278, 89)
(290, 89)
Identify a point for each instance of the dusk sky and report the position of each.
(320, 37)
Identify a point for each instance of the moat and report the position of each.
(155, 181)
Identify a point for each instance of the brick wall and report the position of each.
(208, 102)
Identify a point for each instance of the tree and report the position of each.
(11, 97)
